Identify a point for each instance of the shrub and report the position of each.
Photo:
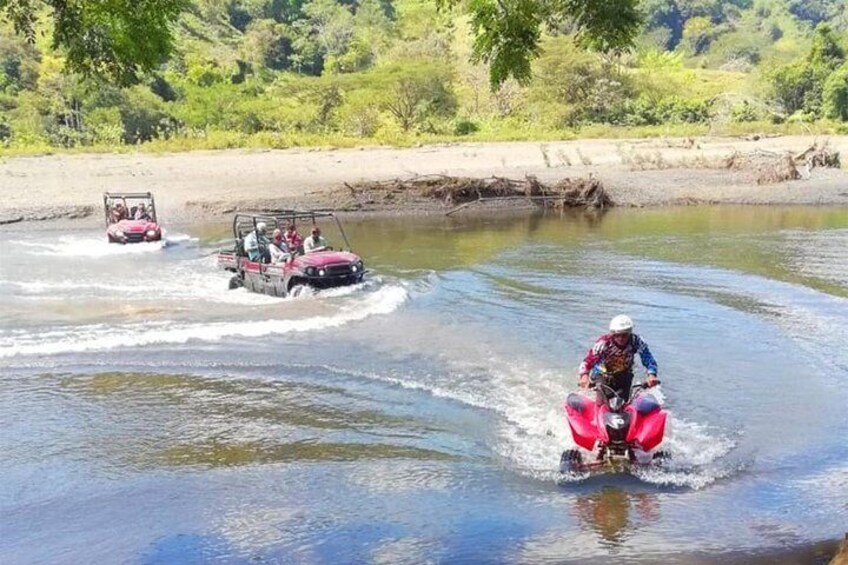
(465, 127)
(358, 116)
(744, 113)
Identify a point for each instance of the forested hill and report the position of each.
(278, 73)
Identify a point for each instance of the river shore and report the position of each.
(190, 186)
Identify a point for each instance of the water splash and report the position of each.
(86, 246)
(102, 337)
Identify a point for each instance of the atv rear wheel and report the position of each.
(571, 461)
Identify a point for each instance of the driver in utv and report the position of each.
(613, 354)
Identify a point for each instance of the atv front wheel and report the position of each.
(571, 461)
(661, 456)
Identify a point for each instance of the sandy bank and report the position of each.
(635, 172)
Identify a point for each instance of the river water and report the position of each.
(150, 415)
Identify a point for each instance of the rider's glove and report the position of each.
(651, 380)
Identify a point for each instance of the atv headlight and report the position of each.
(310, 271)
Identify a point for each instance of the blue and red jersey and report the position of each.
(618, 359)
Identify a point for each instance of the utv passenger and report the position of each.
(141, 213)
(119, 212)
(278, 248)
(294, 240)
(256, 244)
(315, 242)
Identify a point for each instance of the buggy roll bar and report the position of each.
(128, 195)
(284, 215)
(107, 196)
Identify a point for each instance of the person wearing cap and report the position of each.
(278, 248)
(315, 242)
(141, 213)
(256, 244)
(613, 354)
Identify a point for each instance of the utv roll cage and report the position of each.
(110, 197)
(245, 222)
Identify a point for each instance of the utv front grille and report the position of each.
(338, 270)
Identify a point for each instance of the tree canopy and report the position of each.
(507, 32)
(119, 39)
(116, 39)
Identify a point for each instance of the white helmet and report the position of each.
(261, 227)
(621, 324)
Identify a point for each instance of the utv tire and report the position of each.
(571, 461)
(236, 282)
(661, 456)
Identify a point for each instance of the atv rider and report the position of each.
(612, 357)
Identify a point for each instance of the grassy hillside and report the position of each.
(280, 73)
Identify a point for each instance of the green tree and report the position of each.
(827, 52)
(507, 33)
(268, 44)
(835, 95)
(118, 39)
(814, 11)
(418, 93)
(791, 85)
(573, 84)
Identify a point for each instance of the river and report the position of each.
(150, 415)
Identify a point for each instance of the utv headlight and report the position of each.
(310, 271)
(151, 233)
(321, 272)
(119, 233)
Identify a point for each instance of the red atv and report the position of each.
(318, 269)
(131, 217)
(613, 429)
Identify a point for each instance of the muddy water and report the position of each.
(150, 415)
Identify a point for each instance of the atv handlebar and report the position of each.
(594, 384)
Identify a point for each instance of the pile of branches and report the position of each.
(456, 191)
(772, 167)
(577, 193)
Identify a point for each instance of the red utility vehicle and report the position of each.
(120, 210)
(319, 269)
